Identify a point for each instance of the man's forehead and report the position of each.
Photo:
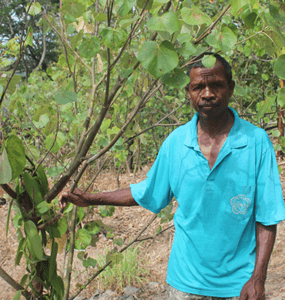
(217, 70)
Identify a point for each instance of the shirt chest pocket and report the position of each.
(239, 201)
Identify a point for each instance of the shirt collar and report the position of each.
(237, 137)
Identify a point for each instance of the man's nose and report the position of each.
(208, 93)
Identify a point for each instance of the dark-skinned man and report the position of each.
(223, 173)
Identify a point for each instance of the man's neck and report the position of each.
(215, 127)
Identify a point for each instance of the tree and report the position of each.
(120, 74)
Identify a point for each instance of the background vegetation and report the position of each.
(102, 82)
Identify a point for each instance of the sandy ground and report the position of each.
(127, 222)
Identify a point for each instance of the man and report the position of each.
(223, 173)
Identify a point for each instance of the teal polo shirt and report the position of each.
(214, 247)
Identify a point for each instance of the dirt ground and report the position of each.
(127, 223)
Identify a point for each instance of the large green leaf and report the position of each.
(281, 97)
(209, 61)
(41, 176)
(277, 11)
(82, 239)
(34, 9)
(32, 187)
(187, 49)
(35, 244)
(177, 79)
(126, 7)
(236, 5)
(52, 260)
(279, 66)
(223, 40)
(73, 7)
(158, 59)
(141, 4)
(194, 16)
(60, 140)
(16, 155)
(5, 168)
(89, 47)
(64, 97)
(167, 22)
(113, 38)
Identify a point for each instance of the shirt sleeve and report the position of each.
(269, 206)
(154, 193)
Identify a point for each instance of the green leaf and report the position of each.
(100, 17)
(209, 61)
(29, 38)
(167, 22)
(34, 245)
(73, 7)
(82, 239)
(89, 47)
(5, 168)
(52, 260)
(177, 79)
(32, 188)
(276, 133)
(126, 7)
(279, 66)
(277, 11)
(81, 255)
(114, 257)
(41, 175)
(118, 242)
(113, 38)
(58, 285)
(106, 211)
(93, 228)
(16, 155)
(223, 40)
(281, 97)
(141, 4)
(194, 16)
(127, 22)
(249, 20)
(236, 5)
(62, 226)
(240, 91)
(34, 9)
(43, 207)
(106, 124)
(43, 121)
(277, 147)
(158, 59)
(1, 89)
(187, 49)
(17, 295)
(55, 171)
(60, 140)
(89, 262)
(19, 252)
(64, 97)
(24, 279)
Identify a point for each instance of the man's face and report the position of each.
(209, 90)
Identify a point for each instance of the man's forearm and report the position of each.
(116, 198)
(265, 238)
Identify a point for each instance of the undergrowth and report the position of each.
(129, 271)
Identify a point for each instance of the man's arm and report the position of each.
(254, 289)
(116, 198)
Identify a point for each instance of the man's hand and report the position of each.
(78, 198)
(253, 290)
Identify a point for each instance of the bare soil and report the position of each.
(127, 223)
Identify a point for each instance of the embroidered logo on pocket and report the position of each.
(240, 204)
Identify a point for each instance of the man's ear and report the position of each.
(232, 87)
(187, 90)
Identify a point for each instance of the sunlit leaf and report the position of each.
(113, 38)
(59, 142)
(141, 4)
(236, 5)
(194, 16)
(279, 66)
(187, 49)
(167, 22)
(82, 239)
(209, 61)
(34, 9)
(223, 40)
(158, 59)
